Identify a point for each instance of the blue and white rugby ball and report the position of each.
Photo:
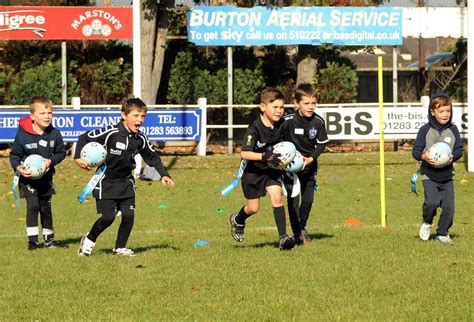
(441, 153)
(93, 154)
(287, 151)
(296, 164)
(35, 164)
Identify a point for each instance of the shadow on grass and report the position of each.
(314, 237)
(70, 241)
(142, 249)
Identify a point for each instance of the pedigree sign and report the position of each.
(45, 23)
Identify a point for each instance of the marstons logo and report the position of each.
(101, 23)
(23, 20)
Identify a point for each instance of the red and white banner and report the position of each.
(44, 23)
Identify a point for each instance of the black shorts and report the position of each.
(36, 189)
(107, 206)
(254, 184)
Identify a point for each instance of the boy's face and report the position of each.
(442, 114)
(306, 105)
(273, 111)
(134, 120)
(42, 115)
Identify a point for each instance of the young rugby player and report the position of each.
(36, 135)
(259, 178)
(115, 191)
(307, 131)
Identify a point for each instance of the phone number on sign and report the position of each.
(168, 130)
(403, 125)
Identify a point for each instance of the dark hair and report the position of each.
(304, 89)
(438, 100)
(40, 100)
(271, 94)
(133, 103)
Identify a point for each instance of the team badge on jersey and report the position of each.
(312, 133)
(51, 143)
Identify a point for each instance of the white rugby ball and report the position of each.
(441, 153)
(93, 154)
(296, 164)
(287, 151)
(35, 164)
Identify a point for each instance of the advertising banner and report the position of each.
(232, 26)
(160, 124)
(61, 23)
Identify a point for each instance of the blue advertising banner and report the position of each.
(160, 124)
(350, 26)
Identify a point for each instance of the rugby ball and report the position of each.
(441, 153)
(93, 154)
(287, 151)
(296, 164)
(35, 164)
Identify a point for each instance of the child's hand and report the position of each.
(167, 181)
(48, 164)
(425, 156)
(273, 159)
(82, 164)
(23, 172)
(307, 161)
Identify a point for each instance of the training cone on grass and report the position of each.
(353, 222)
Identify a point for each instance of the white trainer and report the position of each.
(444, 239)
(124, 252)
(85, 248)
(425, 231)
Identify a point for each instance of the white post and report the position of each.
(470, 91)
(76, 105)
(230, 100)
(202, 102)
(137, 68)
(64, 73)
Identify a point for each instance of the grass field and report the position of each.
(348, 272)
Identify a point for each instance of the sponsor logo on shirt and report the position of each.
(31, 145)
(260, 144)
(43, 143)
(116, 152)
(299, 131)
(120, 145)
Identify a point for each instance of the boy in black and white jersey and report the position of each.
(307, 131)
(261, 175)
(115, 191)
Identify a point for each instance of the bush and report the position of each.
(41, 80)
(337, 84)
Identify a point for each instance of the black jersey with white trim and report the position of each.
(307, 133)
(122, 147)
(257, 138)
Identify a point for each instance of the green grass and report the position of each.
(348, 272)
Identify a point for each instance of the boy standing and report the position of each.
(258, 178)
(438, 182)
(36, 135)
(307, 131)
(115, 191)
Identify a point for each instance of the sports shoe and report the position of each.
(85, 248)
(32, 246)
(236, 230)
(286, 242)
(299, 239)
(425, 230)
(54, 244)
(127, 252)
(306, 236)
(443, 239)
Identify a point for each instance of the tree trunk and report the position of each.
(306, 64)
(154, 29)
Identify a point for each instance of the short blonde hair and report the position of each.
(46, 101)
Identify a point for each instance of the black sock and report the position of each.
(241, 216)
(280, 220)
